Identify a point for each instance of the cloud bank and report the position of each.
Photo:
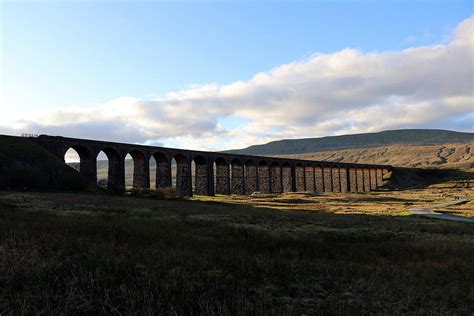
(348, 91)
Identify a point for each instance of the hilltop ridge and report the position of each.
(384, 138)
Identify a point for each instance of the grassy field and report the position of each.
(289, 254)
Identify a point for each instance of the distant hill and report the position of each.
(452, 155)
(385, 138)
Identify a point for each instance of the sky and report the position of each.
(217, 75)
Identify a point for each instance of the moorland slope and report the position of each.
(384, 138)
(446, 155)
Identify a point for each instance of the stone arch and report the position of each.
(250, 177)
(237, 178)
(276, 181)
(200, 175)
(222, 176)
(116, 170)
(286, 177)
(87, 165)
(183, 182)
(299, 177)
(141, 169)
(263, 177)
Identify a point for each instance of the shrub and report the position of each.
(102, 183)
(159, 193)
(168, 192)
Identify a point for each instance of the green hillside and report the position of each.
(395, 137)
(26, 165)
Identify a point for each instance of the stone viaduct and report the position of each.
(215, 172)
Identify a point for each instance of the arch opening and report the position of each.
(102, 170)
(72, 159)
(129, 169)
(80, 159)
(152, 167)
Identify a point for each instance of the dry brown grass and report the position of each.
(291, 254)
(378, 203)
(437, 156)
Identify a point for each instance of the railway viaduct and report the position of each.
(215, 172)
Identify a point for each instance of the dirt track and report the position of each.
(427, 211)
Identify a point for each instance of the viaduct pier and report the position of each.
(215, 172)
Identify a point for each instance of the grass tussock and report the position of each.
(275, 254)
(158, 193)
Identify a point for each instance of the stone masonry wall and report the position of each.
(237, 179)
(286, 178)
(319, 179)
(251, 179)
(309, 176)
(264, 179)
(300, 181)
(276, 179)
(222, 178)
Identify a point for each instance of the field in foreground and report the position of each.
(288, 254)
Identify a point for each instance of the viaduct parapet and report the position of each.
(215, 172)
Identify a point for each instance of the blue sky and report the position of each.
(69, 56)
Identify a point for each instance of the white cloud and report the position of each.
(327, 94)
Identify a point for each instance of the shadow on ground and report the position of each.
(410, 178)
(91, 253)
